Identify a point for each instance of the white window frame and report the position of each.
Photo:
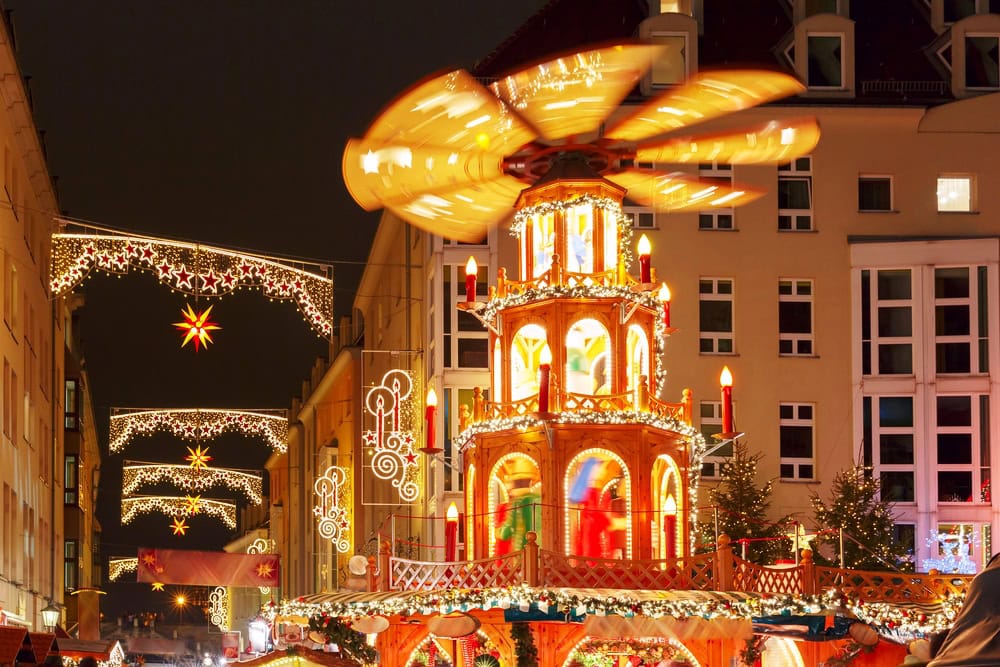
(717, 171)
(713, 424)
(877, 339)
(879, 178)
(796, 420)
(972, 302)
(796, 285)
(636, 211)
(970, 180)
(965, 47)
(686, 50)
(715, 295)
(450, 311)
(843, 70)
(973, 467)
(878, 430)
(791, 172)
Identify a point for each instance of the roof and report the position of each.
(11, 640)
(79, 648)
(41, 644)
(154, 645)
(304, 658)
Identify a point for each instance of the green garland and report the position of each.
(351, 642)
(525, 651)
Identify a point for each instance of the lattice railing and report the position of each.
(892, 586)
(410, 575)
(752, 578)
(571, 401)
(496, 410)
(666, 410)
(694, 573)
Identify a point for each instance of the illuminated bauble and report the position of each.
(197, 327)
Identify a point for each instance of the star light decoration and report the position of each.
(332, 514)
(119, 566)
(261, 546)
(178, 507)
(190, 268)
(198, 457)
(157, 586)
(390, 409)
(137, 473)
(197, 327)
(198, 424)
(179, 526)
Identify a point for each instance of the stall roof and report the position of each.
(153, 645)
(79, 648)
(11, 640)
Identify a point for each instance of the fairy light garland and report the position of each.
(119, 566)
(190, 268)
(218, 608)
(116, 658)
(138, 473)
(332, 511)
(199, 424)
(178, 507)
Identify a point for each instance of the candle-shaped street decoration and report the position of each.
(670, 527)
(645, 250)
(726, 381)
(471, 268)
(544, 371)
(451, 534)
(429, 414)
(664, 296)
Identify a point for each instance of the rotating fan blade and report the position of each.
(379, 173)
(680, 192)
(464, 214)
(703, 97)
(573, 95)
(773, 143)
(453, 111)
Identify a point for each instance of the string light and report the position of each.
(218, 608)
(136, 474)
(189, 268)
(119, 566)
(261, 546)
(199, 424)
(174, 506)
(391, 442)
(331, 511)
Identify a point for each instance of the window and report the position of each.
(953, 320)
(71, 560)
(822, 7)
(465, 341)
(711, 423)
(795, 325)
(956, 453)
(894, 434)
(795, 196)
(11, 295)
(458, 405)
(642, 218)
(982, 61)
(71, 485)
(905, 535)
(886, 322)
(954, 193)
(670, 68)
(874, 193)
(72, 409)
(715, 315)
(826, 64)
(795, 428)
(716, 174)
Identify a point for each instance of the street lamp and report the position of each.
(51, 615)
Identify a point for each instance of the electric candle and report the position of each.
(471, 268)
(432, 402)
(544, 370)
(644, 252)
(664, 296)
(726, 381)
(451, 534)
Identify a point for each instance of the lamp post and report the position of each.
(51, 615)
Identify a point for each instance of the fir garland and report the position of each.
(340, 633)
(525, 651)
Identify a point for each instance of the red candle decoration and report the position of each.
(664, 296)
(726, 380)
(645, 250)
(471, 268)
(670, 527)
(432, 402)
(544, 372)
(451, 534)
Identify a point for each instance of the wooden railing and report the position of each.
(640, 400)
(720, 570)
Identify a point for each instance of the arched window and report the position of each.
(524, 353)
(637, 354)
(543, 242)
(598, 505)
(668, 500)
(580, 239)
(588, 358)
(515, 496)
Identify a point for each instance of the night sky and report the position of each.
(222, 123)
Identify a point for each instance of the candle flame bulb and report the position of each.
(545, 356)
(726, 378)
(664, 293)
(452, 513)
(432, 398)
(645, 249)
(471, 268)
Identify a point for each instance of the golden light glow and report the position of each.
(726, 377)
(664, 293)
(774, 142)
(452, 513)
(198, 458)
(119, 566)
(138, 473)
(670, 505)
(432, 398)
(197, 327)
(471, 268)
(194, 503)
(179, 527)
(177, 507)
(332, 508)
(157, 586)
(679, 192)
(199, 424)
(644, 248)
(545, 356)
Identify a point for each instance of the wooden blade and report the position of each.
(376, 173)
(680, 192)
(704, 96)
(452, 111)
(773, 143)
(464, 214)
(573, 95)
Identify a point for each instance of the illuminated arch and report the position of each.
(419, 656)
(596, 486)
(782, 652)
(515, 477)
(543, 240)
(668, 501)
(637, 356)
(588, 358)
(525, 349)
(670, 646)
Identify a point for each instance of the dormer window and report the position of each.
(953, 11)
(678, 33)
(982, 61)
(822, 7)
(826, 61)
(671, 68)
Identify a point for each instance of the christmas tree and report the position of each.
(742, 510)
(855, 506)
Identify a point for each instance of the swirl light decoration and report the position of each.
(198, 424)
(261, 546)
(218, 608)
(190, 268)
(392, 440)
(178, 507)
(138, 473)
(119, 566)
(331, 511)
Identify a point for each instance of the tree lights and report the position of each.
(138, 473)
(198, 424)
(189, 268)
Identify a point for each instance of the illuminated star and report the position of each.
(265, 570)
(180, 528)
(149, 559)
(197, 327)
(194, 504)
(157, 586)
(199, 458)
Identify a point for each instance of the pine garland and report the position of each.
(525, 651)
(340, 633)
